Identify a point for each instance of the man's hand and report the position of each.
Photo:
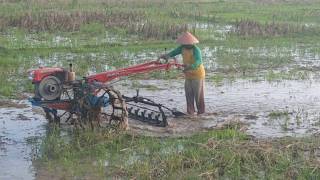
(163, 56)
(187, 68)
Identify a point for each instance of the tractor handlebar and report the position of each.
(136, 69)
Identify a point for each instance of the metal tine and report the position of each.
(150, 116)
(136, 112)
(143, 114)
(130, 110)
(157, 117)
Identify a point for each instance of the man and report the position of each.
(193, 70)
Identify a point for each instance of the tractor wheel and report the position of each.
(113, 114)
(108, 111)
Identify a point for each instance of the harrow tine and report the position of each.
(146, 110)
(178, 113)
(136, 112)
(143, 114)
(150, 115)
(130, 110)
(157, 117)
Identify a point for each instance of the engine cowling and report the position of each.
(48, 82)
(42, 72)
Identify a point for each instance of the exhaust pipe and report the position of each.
(71, 73)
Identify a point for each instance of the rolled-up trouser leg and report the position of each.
(199, 95)
(194, 90)
(189, 96)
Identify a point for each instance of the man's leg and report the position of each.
(189, 96)
(199, 95)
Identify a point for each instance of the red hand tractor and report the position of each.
(93, 101)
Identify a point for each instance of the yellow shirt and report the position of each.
(188, 59)
(191, 57)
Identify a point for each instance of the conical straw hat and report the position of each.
(187, 39)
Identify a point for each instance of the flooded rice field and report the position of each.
(277, 109)
(264, 110)
(216, 58)
(19, 126)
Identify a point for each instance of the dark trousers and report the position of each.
(194, 89)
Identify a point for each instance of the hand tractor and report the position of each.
(92, 101)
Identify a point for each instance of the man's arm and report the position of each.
(175, 52)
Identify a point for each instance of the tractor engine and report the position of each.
(49, 82)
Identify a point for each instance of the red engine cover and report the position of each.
(42, 72)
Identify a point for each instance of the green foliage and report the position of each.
(217, 79)
(282, 116)
(225, 153)
(93, 29)
(278, 114)
(95, 46)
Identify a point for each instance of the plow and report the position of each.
(93, 102)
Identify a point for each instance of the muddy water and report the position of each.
(286, 108)
(19, 125)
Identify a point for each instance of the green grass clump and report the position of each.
(277, 114)
(93, 29)
(225, 153)
(217, 79)
(283, 118)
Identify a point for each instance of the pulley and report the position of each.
(50, 88)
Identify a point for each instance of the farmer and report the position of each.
(193, 70)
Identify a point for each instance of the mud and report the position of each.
(185, 126)
(286, 108)
(261, 109)
(12, 104)
(19, 126)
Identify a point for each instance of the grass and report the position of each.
(137, 85)
(217, 79)
(102, 38)
(278, 114)
(225, 153)
(282, 118)
(87, 55)
(293, 74)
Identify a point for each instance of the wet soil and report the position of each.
(4, 103)
(19, 126)
(277, 109)
(262, 109)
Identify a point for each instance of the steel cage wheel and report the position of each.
(112, 114)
